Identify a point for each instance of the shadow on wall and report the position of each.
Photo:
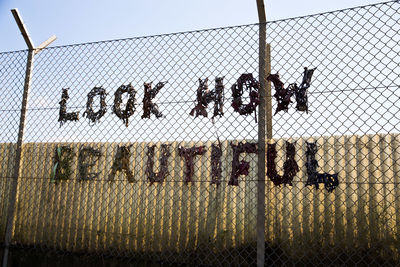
(240, 256)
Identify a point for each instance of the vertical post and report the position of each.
(18, 155)
(268, 92)
(261, 138)
(17, 160)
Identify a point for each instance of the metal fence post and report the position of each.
(268, 94)
(261, 139)
(17, 160)
(18, 154)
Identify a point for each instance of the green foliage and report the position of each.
(62, 164)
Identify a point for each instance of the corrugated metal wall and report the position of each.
(100, 215)
(361, 213)
(7, 155)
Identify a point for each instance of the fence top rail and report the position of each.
(210, 29)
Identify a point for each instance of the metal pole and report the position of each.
(261, 138)
(18, 155)
(268, 93)
(17, 160)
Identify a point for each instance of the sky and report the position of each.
(80, 21)
(354, 51)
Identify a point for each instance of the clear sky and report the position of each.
(79, 21)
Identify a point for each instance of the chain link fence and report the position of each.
(351, 128)
(145, 149)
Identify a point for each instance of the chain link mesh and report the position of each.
(163, 189)
(12, 79)
(353, 120)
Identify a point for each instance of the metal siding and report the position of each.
(101, 215)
